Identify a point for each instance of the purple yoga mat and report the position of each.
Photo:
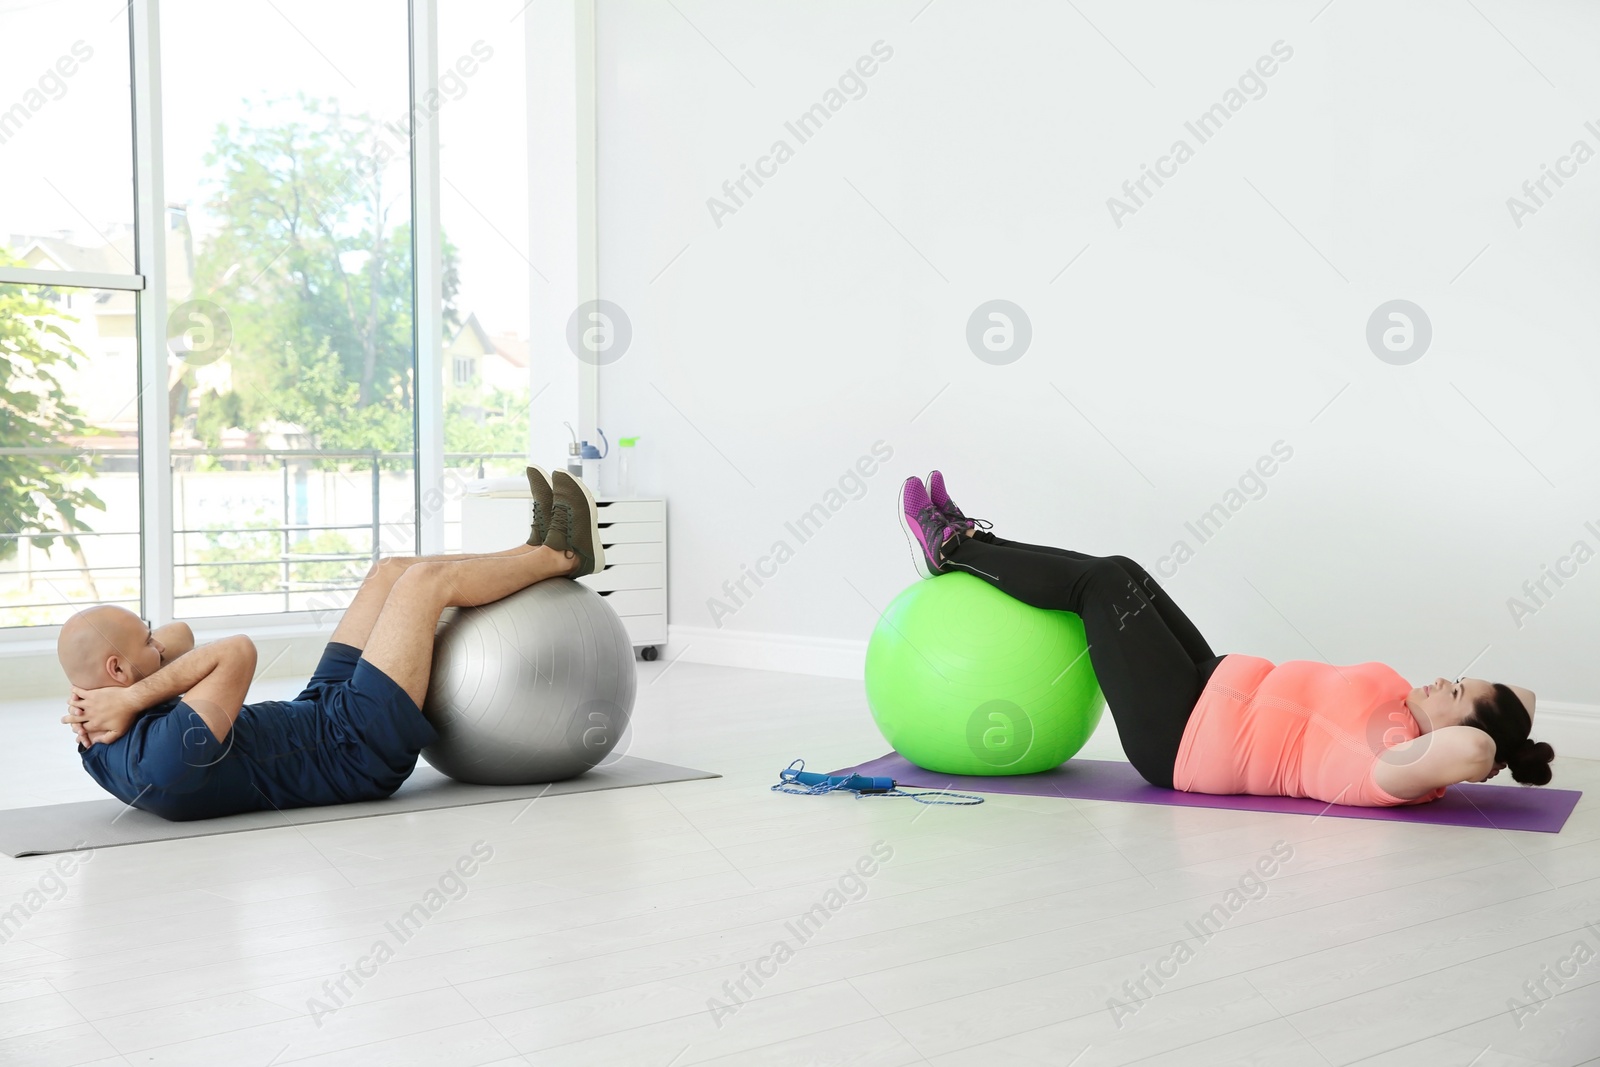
(1541, 808)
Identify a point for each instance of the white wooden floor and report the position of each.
(605, 923)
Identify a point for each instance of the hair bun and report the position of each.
(1530, 763)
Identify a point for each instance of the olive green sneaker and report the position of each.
(574, 526)
(543, 497)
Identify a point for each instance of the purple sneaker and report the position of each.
(925, 525)
(952, 514)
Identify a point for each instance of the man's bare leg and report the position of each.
(401, 643)
(355, 627)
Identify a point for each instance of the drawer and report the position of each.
(621, 533)
(628, 576)
(626, 602)
(644, 552)
(631, 511)
(646, 629)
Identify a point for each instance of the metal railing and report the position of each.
(286, 530)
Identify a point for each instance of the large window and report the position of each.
(66, 143)
(69, 414)
(283, 353)
(483, 205)
(69, 452)
(289, 291)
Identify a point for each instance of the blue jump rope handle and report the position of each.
(857, 782)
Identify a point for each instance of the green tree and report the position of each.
(41, 495)
(312, 263)
(250, 559)
(233, 556)
(504, 426)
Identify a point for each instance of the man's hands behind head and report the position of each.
(100, 716)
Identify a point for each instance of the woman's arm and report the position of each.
(1496, 769)
(1442, 757)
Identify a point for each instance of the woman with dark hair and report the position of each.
(1506, 714)
(1202, 723)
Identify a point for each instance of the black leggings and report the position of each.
(1150, 660)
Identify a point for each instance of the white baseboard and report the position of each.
(1573, 730)
(828, 657)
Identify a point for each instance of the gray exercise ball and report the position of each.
(537, 687)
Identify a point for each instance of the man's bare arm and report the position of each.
(213, 680)
(176, 640)
(178, 677)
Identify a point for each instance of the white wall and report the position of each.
(556, 169)
(1223, 316)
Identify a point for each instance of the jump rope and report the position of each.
(796, 779)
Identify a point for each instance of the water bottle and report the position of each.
(591, 457)
(626, 472)
(574, 454)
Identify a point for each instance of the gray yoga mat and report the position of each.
(88, 824)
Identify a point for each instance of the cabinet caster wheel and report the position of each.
(648, 653)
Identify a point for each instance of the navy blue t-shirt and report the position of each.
(334, 744)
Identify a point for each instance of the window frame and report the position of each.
(148, 282)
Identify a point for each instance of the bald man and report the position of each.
(162, 725)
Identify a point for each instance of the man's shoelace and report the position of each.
(562, 515)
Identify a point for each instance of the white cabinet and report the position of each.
(634, 534)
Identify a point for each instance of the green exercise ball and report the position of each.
(963, 679)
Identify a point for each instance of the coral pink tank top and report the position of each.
(1298, 729)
